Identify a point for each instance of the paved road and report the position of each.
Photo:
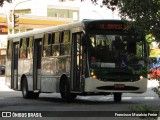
(13, 101)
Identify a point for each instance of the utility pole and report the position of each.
(15, 17)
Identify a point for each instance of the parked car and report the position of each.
(155, 72)
(2, 70)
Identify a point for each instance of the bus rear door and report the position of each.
(14, 69)
(37, 63)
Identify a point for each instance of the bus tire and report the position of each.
(28, 94)
(25, 93)
(65, 90)
(117, 97)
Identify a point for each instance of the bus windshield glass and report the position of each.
(115, 51)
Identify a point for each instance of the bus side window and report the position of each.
(65, 46)
(47, 45)
(55, 45)
(30, 47)
(23, 46)
(9, 49)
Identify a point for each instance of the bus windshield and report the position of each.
(115, 51)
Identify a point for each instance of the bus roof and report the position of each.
(45, 30)
(58, 28)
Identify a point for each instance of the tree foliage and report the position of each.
(1, 1)
(145, 13)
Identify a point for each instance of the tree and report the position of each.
(145, 13)
(1, 2)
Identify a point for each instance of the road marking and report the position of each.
(108, 98)
(105, 98)
(126, 98)
(149, 98)
(84, 98)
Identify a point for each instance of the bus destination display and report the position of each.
(108, 26)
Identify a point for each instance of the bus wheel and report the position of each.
(65, 90)
(28, 94)
(117, 97)
(25, 93)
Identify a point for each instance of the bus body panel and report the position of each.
(25, 68)
(49, 84)
(39, 79)
(92, 85)
(8, 73)
(38, 36)
(30, 83)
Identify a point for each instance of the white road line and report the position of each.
(149, 98)
(126, 98)
(84, 98)
(105, 98)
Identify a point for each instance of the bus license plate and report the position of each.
(119, 86)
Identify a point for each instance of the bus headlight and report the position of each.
(141, 77)
(93, 74)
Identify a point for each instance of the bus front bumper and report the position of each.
(96, 86)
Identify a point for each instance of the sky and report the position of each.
(88, 10)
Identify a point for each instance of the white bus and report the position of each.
(90, 57)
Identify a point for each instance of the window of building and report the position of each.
(75, 15)
(62, 15)
(55, 15)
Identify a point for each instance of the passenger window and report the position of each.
(65, 45)
(9, 49)
(47, 45)
(30, 47)
(23, 46)
(55, 45)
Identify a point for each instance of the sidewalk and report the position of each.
(3, 87)
(153, 83)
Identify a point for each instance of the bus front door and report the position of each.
(37, 63)
(14, 69)
(77, 62)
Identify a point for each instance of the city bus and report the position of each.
(89, 57)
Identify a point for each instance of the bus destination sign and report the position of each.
(109, 26)
(113, 26)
